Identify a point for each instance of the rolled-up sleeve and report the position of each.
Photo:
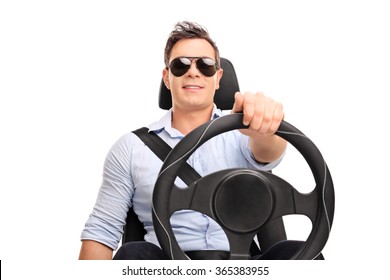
(105, 223)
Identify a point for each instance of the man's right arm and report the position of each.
(93, 250)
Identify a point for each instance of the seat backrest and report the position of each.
(270, 233)
(134, 229)
(224, 96)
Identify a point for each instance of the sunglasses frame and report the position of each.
(200, 63)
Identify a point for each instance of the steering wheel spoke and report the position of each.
(288, 200)
(239, 245)
(192, 197)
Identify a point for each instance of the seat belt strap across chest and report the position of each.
(158, 146)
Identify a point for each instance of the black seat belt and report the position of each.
(162, 149)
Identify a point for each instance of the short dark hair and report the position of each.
(188, 30)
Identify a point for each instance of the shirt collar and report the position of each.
(166, 123)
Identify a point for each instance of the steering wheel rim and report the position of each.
(323, 193)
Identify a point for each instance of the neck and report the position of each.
(186, 121)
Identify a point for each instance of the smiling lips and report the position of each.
(192, 87)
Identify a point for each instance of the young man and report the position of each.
(192, 74)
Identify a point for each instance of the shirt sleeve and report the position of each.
(105, 223)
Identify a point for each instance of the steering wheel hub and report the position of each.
(243, 201)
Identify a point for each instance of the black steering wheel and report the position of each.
(241, 201)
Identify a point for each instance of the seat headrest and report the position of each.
(224, 96)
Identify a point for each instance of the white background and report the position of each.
(76, 75)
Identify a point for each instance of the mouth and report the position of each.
(192, 87)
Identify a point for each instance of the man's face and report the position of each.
(193, 90)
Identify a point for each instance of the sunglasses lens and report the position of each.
(179, 66)
(206, 66)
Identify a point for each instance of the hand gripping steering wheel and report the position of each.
(241, 201)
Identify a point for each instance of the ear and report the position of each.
(219, 76)
(165, 74)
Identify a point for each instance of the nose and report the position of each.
(193, 71)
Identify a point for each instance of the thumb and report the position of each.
(238, 101)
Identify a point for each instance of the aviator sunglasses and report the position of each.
(180, 65)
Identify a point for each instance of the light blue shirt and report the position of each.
(129, 175)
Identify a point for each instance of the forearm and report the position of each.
(267, 148)
(93, 250)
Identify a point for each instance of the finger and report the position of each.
(267, 116)
(248, 108)
(258, 113)
(278, 116)
(238, 102)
